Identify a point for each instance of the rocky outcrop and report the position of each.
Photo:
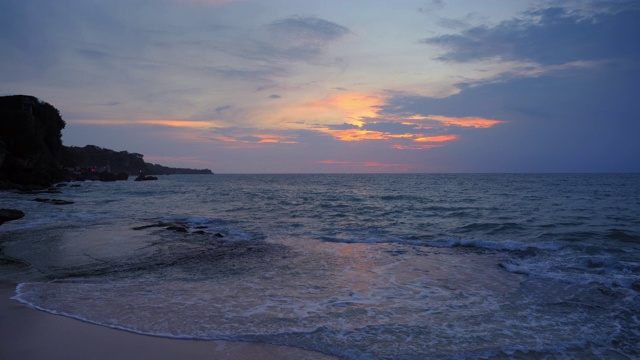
(155, 169)
(145, 178)
(30, 142)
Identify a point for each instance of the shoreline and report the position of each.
(27, 333)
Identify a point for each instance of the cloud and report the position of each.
(275, 96)
(436, 139)
(432, 6)
(93, 54)
(238, 137)
(465, 121)
(222, 109)
(308, 29)
(583, 122)
(390, 127)
(547, 36)
(344, 126)
(189, 124)
(299, 38)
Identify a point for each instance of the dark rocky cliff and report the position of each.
(30, 141)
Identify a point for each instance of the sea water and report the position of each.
(410, 266)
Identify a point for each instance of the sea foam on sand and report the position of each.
(27, 333)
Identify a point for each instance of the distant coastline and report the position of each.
(98, 160)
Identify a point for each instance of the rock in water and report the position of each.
(145, 178)
(10, 214)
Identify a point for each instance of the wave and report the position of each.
(504, 245)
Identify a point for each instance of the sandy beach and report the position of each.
(26, 333)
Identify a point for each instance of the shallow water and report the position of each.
(359, 266)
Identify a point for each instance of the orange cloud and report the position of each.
(355, 134)
(251, 140)
(469, 121)
(362, 134)
(191, 124)
(437, 138)
(274, 138)
(415, 147)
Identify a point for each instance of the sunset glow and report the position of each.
(438, 138)
(251, 85)
(190, 124)
(468, 121)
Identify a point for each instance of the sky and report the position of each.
(334, 86)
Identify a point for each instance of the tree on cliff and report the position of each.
(30, 141)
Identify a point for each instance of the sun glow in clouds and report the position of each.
(346, 117)
(190, 124)
(349, 108)
(468, 121)
(438, 138)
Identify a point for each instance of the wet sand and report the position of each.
(26, 333)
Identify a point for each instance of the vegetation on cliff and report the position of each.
(100, 159)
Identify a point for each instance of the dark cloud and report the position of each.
(547, 36)
(391, 127)
(586, 122)
(249, 138)
(432, 6)
(222, 109)
(93, 54)
(344, 126)
(299, 38)
(258, 74)
(275, 96)
(308, 29)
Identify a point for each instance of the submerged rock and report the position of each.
(181, 228)
(10, 214)
(177, 228)
(160, 224)
(53, 201)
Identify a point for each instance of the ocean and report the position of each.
(372, 266)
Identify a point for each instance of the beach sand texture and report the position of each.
(27, 334)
